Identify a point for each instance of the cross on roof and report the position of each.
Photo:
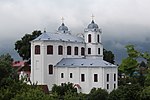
(44, 30)
(62, 19)
(92, 16)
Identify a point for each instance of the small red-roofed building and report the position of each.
(23, 68)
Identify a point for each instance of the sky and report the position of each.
(122, 21)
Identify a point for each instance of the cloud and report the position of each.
(122, 21)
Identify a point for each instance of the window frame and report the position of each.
(60, 50)
(99, 51)
(76, 50)
(95, 77)
(107, 77)
(89, 50)
(71, 75)
(89, 38)
(82, 51)
(98, 38)
(62, 75)
(107, 86)
(68, 50)
(49, 49)
(37, 50)
(114, 77)
(51, 69)
(82, 77)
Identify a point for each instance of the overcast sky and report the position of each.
(122, 21)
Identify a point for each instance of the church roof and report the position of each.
(59, 37)
(92, 25)
(63, 27)
(83, 62)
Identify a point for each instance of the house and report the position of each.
(62, 57)
(23, 69)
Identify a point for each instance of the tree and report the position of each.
(109, 56)
(98, 94)
(23, 46)
(61, 90)
(127, 92)
(145, 94)
(133, 69)
(6, 70)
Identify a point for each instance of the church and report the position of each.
(62, 57)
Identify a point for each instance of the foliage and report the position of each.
(133, 69)
(109, 56)
(98, 94)
(128, 66)
(6, 70)
(18, 90)
(145, 94)
(126, 92)
(23, 46)
(6, 57)
(61, 90)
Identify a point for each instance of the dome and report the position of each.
(92, 25)
(63, 27)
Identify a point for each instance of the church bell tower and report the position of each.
(92, 36)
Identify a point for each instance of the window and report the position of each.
(107, 77)
(98, 38)
(62, 84)
(70, 75)
(50, 69)
(89, 38)
(82, 77)
(114, 77)
(95, 78)
(89, 50)
(62, 75)
(99, 50)
(68, 50)
(114, 86)
(60, 50)
(76, 51)
(37, 49)
(82, 51)
(107, 86)
(49, 49)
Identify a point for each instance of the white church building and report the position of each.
(61, 57)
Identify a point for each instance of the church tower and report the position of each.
(92, 36)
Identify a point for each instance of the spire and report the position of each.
(92, 17)
(44, 30)
(62, 19)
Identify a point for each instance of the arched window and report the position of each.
(76, 51)
(82, 51)
(89, 38)
(37, 49)
(98, 38)
(99, 50)
(50, 69)
(68, 50)
(49, 49)
(60, 50)
(89, 50)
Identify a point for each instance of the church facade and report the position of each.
(61, 57)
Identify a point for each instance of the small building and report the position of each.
(62, 57)
(23, 69)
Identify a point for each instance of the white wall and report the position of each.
(40, 63)
(89, 77)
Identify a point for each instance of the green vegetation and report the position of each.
(109, 56)
(135, 85)
(23, 46)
